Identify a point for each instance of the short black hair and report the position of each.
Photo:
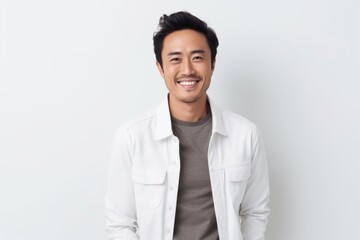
(180, 21)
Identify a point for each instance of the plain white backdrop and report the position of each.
(72, 71)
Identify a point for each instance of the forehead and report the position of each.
(186, 40)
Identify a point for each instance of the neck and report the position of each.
(188, 112)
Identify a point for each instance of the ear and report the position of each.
(213, 66)
(159, 67)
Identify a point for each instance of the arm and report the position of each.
(119, 199)
(254, 209)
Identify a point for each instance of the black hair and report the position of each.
(180, 21)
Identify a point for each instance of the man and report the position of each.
(187, 170)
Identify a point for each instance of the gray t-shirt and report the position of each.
(195, 215)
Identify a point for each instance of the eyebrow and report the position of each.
(192, 52)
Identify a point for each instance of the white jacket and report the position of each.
(144, 177)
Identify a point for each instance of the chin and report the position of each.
(190, 99)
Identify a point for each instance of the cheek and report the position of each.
(169, 72)
(169, 78)
(207, 76)
(205, 70)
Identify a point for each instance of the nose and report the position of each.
(187, 67)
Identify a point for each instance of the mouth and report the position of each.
(188, 82)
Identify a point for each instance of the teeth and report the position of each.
(187, 83)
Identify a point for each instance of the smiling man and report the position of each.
(187, 170)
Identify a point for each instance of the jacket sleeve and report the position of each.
(254, 209)
(120, 211)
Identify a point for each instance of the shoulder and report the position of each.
(233, 120)
(231, 117)
(240, 134)
(137, 124)
(239, 127)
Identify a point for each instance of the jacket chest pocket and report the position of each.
(149, 185)
(236, 179)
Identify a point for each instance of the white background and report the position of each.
(71, 71)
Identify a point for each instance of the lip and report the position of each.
(188, 84)
(188, 80)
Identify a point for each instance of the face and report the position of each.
(187, 67)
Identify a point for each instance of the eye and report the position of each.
(175, 59)
(198, 58)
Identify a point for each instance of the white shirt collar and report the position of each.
(163, 120)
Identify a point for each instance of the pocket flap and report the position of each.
(238, 174)
(148, 176)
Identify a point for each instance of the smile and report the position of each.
(187, 83)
